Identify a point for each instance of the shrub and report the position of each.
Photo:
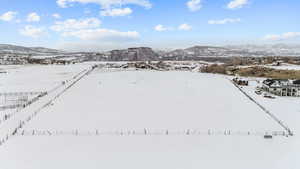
(214, 68)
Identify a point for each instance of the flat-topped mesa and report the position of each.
(134, 54)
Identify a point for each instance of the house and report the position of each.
(281, 87)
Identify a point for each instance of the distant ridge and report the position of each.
(148, 54)
(14, 49)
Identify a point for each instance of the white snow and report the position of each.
(282, 67)
(146, 99)
(286, 67)
(44, 56)
(36, 78)
(147, 152)
(156, 100)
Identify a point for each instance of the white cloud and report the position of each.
(74, 24)
(31, 31)
(94, 46)
(56, 16)
(185, 27)
(8, 16)
(33, 17)
(272, 37)
(106, 3)
(224, 21)
(102, 34)
(116, 12)
(88, 29)
(194, 5)
(290, 35)
(284, 36)
(160, 28)
(235, 4)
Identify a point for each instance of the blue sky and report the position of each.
(109, 24)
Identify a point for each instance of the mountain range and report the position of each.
(146, 53)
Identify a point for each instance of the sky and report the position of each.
(99, 25)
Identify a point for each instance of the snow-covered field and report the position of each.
(121, 100)
(146, 99)
(286, 67)
(36, 78)
(20, 84)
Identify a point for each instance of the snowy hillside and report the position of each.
(13, 49)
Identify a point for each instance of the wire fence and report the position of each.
(20, 106)
(149, 132)
(63, 83)
(16, 100)
(12, 132)
(10, 106)
(7, 116)
(12, 101)
(20, 93)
